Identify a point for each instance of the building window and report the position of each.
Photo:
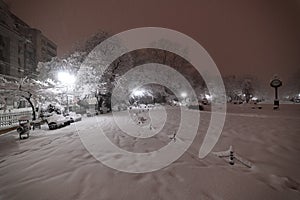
(51, 46)
(4, 48)
(20, 48)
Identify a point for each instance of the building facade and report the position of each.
(21, 47)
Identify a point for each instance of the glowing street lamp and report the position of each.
(68, 80)
(183, 94)
(138, 93)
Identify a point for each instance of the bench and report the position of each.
(36, 124)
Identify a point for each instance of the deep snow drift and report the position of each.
(55, 165)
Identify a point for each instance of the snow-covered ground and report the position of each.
(55, 165)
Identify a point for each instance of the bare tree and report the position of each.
(247, 89)
(29, 89)
(92, 78)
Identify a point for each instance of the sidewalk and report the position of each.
(3, 131)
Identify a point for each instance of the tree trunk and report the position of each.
(32, 107)
(99, 101)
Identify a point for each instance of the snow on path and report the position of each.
(55, 164)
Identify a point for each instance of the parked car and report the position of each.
(238, 101)
(45, 115)
(57, 121)
(91, 113)
(196, 106)
(150, 106)
(296, 99)
(73, 117)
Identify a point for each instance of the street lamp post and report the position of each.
(68, 110)
(276, 83)
(184, 95)
(67, 80)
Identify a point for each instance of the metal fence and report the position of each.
(11, 119)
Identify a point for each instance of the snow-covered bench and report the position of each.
(36, 124)
(24, 127)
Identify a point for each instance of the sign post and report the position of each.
(276, 83)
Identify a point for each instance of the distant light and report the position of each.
(183, 94)
(207, 96)
(138, 93)
(66, 78)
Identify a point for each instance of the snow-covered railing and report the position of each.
(11, 119)
(15, 110)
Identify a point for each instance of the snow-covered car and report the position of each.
(73, 117)
(296, 99)
(196, 106)
(120, 107)
(45, 115)
(91, 113)
(237, 101)
(144, 106)
(57, 121)
(150, 105)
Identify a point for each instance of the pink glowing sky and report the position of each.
(259, 37)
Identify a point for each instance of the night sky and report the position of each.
(257, 37)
